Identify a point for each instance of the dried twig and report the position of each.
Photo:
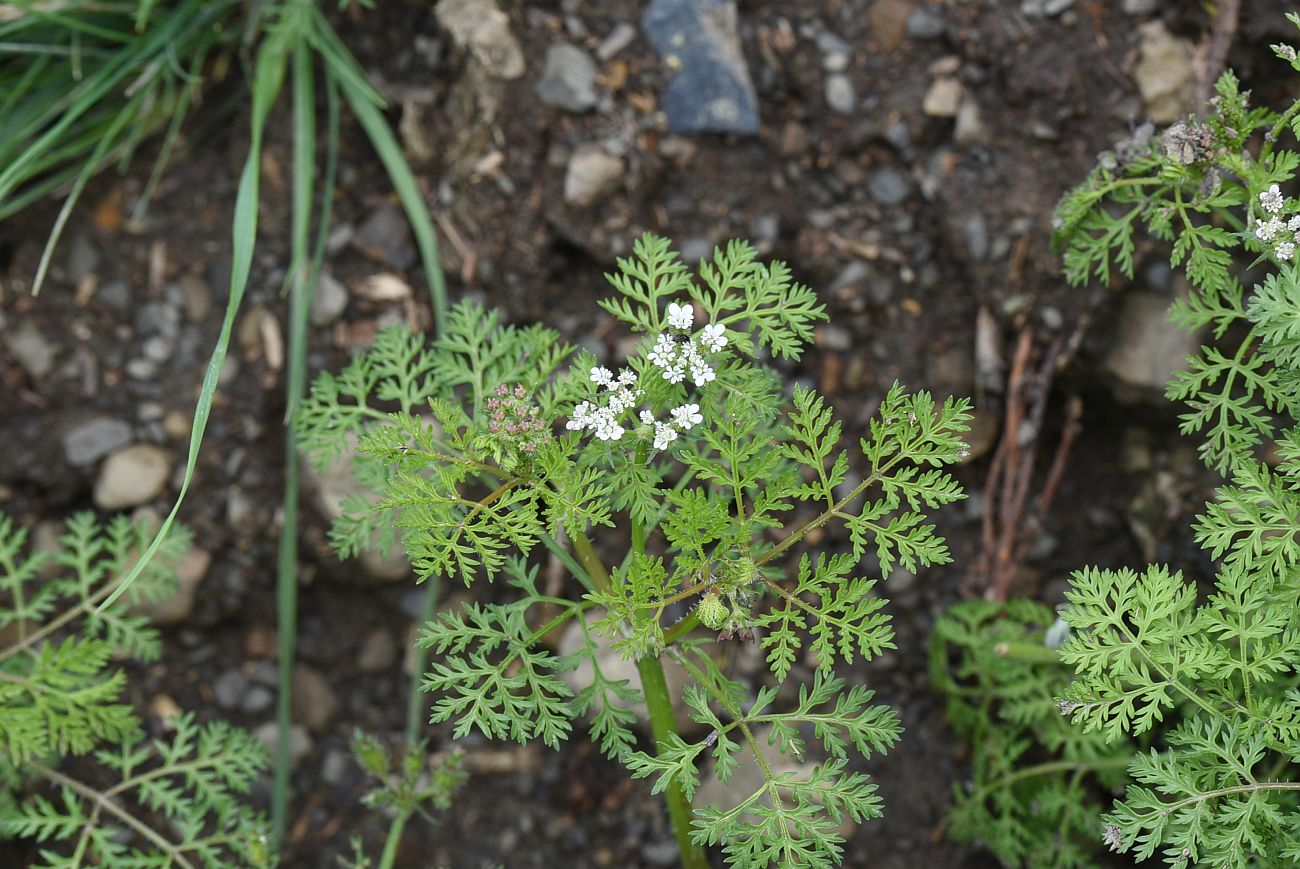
(1212, 55)
(1007, 532)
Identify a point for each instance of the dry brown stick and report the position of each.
(1213, 53)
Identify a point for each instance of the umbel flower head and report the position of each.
(676, 354)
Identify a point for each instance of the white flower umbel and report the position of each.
(620, 396)
(1272, 200)
(1285, 249)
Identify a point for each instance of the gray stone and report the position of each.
(158, 318)
(1163, 73)
(33, 351)
(662, 853)
(969, 128)
(378, 652)
(229, 689)
(568, 80)
(840, 95)
(975, 235)
(300, 743)
(943, 99)
(592, 174)
(616, 667)
(94, 439)
(888, 186)
(258, 699)
(335, 766)
(328, 489)
(115, 294)
(329, 301)
(386, 236)
(712, 92)
(1044, 8)
(746, 777)
(156, 348)
(196, 298)
(854, 274)
(925, 23)
(482, 29)
(1148, 347)
(175, 609)
(83, 257)
(314, 702)
(132, 476)
(1138, 7)
(618, 39)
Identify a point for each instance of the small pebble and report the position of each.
(839, 94)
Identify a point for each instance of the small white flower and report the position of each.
(702, 374)
(607, 428)
(676, 374)
(626, 377)
(713, 337)
(664, 435)
(1284, 51)
(1272, 199)
(1268, 229)
(664, 353)
(687, 416)
(1294, 223)
(1285, 249)
(647, 418)
(602, 376)
(680, 316)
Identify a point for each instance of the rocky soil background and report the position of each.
(903, 156)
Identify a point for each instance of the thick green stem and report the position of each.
(662, 724)
(658, 702)
(394, 840)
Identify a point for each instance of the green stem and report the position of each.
(663, 723)
(659, 704)
(394, 838)
(414, 698)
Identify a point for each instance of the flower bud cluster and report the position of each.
(514, 421)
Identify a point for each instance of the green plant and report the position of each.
(700, 477)
(86, 82)
(77, 775)
(1199, 690)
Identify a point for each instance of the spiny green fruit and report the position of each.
(712, 611)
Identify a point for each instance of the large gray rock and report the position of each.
(1148, 348)
(95, 438)
(568, 80)
(132, 476)
(33, 350)
(1163, 73)
(328, 489)
(483, 30)
(712, 92)
(592, 174)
